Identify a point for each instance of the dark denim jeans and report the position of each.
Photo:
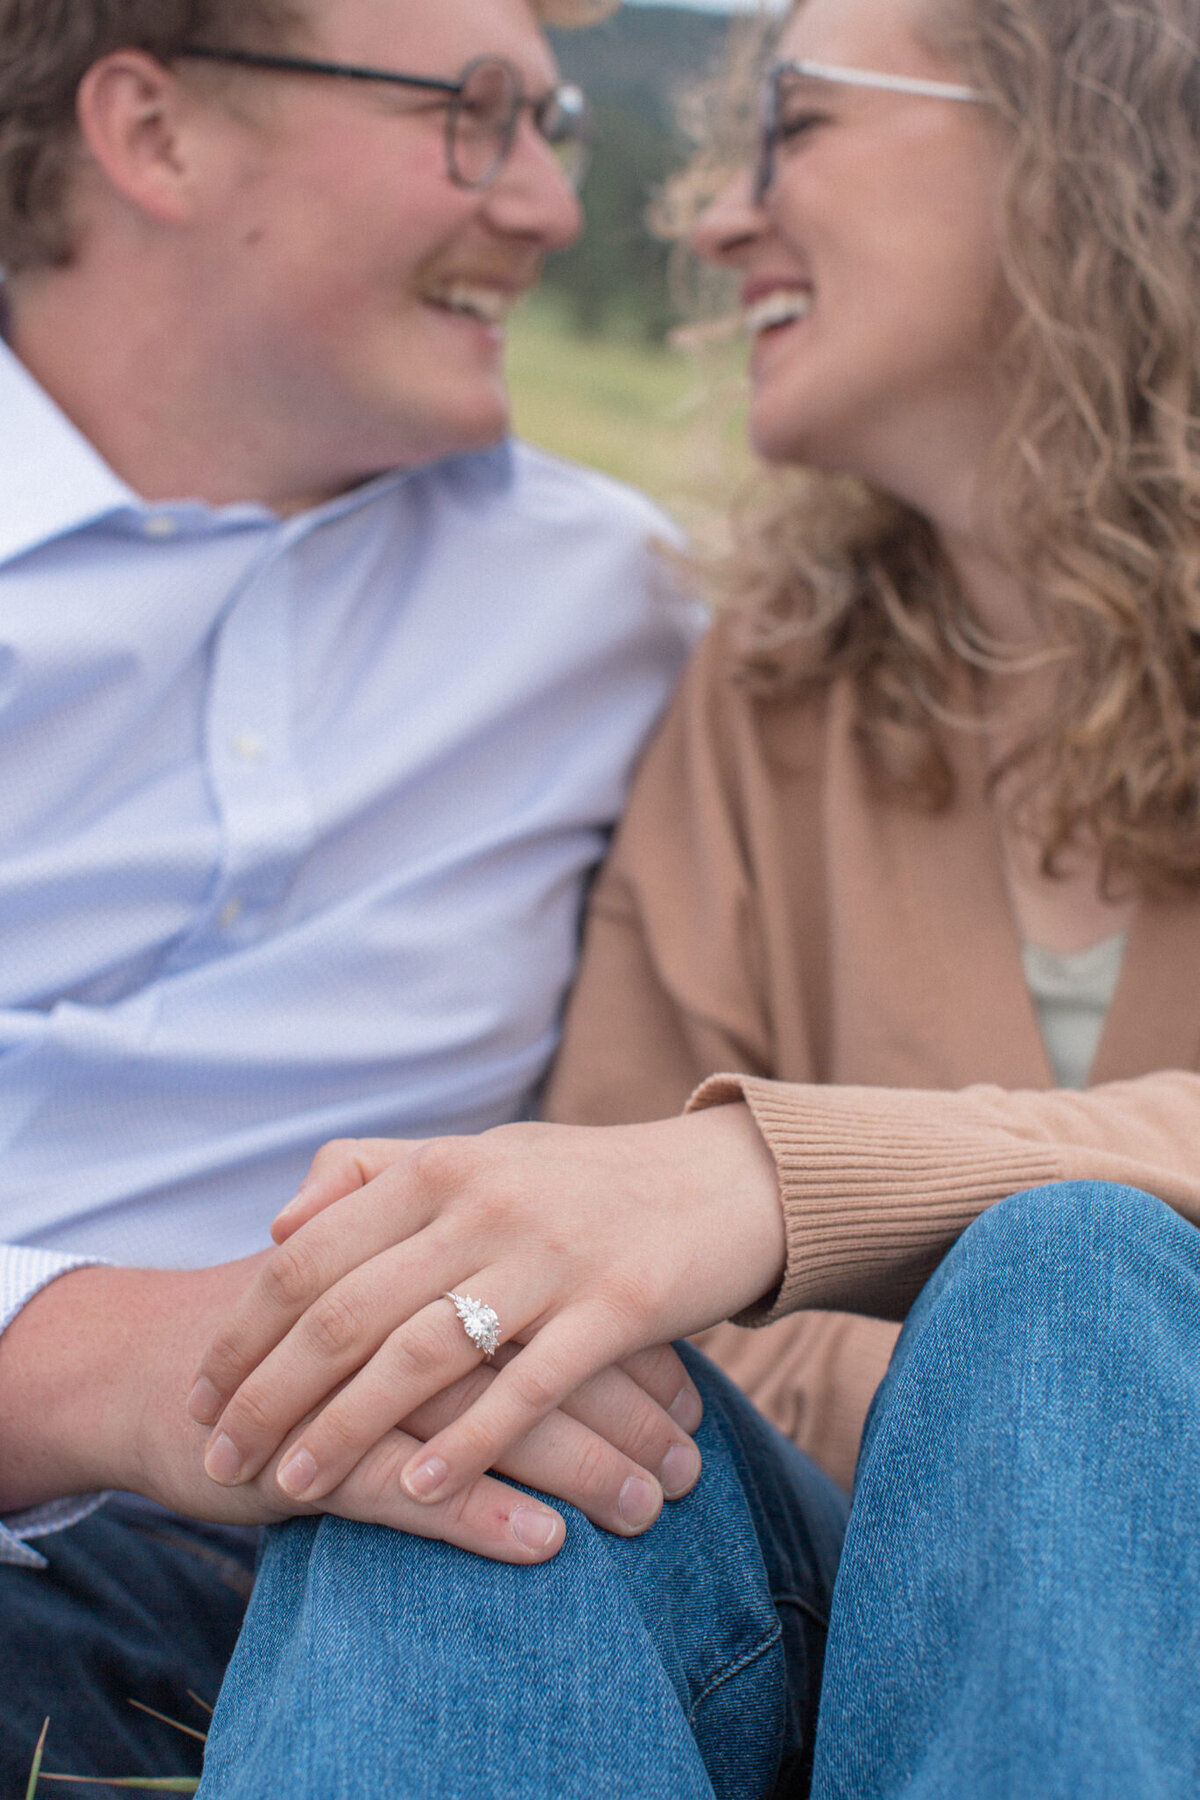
(135, 1605)
(1017, 1610)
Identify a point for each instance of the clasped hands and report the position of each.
(343, 1362)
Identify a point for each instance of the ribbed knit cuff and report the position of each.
(877, 1185)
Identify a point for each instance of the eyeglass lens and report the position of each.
(772, 102)
(484, 116)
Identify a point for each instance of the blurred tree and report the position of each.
(634, 67)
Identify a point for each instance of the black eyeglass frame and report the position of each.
(567, 102)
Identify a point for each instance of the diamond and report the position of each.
(479, 1322)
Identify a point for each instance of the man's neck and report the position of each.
(150, 404)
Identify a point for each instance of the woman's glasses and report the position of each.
(778, 102)
(483, 113)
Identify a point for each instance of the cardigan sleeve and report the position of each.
(878, 1183)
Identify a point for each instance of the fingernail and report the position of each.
(298, 1474)
(224, 1461)
(687, 1409)
(638, 1503)
(680, 1470)
(533, 1527)
(291, 1206)
(425, 1480)
(204, 1403)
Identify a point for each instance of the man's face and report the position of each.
(355, 293)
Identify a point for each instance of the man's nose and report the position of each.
(532, 197)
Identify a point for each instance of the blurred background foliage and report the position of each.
(595, 373)
(637, 69)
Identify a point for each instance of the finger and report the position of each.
(617, 1411)
(328, 1344)
(428, 1352)
(565, 1353)
(564, 1458)
(374, 1220)
(488, 1518)
(661, 1374)
(339, 1168)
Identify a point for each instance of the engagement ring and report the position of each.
(479, 1322)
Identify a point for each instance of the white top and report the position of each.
(1072, 995)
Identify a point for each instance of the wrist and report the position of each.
(742, 1163)
(92, 1372)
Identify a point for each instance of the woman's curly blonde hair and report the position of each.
(47, 47)
(1096, 478)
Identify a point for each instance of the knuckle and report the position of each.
(658, 1372)
(594, 1464)
(222, 1362)
(292, 1277)
(417, 1351)
(630, 1295)
(534, 1388)
(252, 1415)
(335, 1434)
(333, 1325)
(442, 1166)
(471, 1508)
(376, 1479)
(333, 1155)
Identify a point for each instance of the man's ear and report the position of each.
(132, 114)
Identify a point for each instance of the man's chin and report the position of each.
(480, 424)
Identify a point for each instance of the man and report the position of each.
(318, 701)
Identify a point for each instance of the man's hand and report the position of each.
(93, 1382)
(590, 1244)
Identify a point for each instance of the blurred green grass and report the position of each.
(662, 419)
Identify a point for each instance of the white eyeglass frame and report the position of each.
(845, 77)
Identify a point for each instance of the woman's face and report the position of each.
(871, 268)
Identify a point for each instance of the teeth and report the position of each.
(780, 308)
(489, 305)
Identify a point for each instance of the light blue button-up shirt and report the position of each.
(295, 822)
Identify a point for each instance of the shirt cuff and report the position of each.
(24, 1273)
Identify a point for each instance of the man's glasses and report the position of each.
(778, 117)
(483, 113)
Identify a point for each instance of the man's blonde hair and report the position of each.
(47, 47)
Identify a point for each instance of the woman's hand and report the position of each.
(591, 1245)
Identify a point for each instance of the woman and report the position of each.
(930, 786)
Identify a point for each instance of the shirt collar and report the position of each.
(52, 480)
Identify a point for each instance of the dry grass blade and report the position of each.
(188, 1730)
(154, 1784)
(36, 1770)
(202, 1704)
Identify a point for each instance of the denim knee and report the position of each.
(1083, 1231)
(1055, 1271)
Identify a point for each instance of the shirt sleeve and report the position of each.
(879, 1183)
(24, 1273)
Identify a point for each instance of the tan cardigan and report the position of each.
(856, 964)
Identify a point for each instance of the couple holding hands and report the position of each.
(321, 699)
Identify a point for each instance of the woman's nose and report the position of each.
(729, 223)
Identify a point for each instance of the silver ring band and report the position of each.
(479, 1322)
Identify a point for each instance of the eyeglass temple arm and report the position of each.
(896, 84)
(301, 65)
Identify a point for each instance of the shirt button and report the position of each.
(160, 525)
(248, 746)
(230, 913)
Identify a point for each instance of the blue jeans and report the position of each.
(683, 1663)
(136, 1605)
(1015, 1614)
(1017, 1610)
